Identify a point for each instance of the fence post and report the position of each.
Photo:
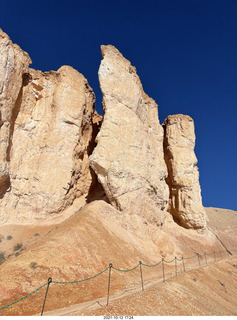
(141, 275)
(49, 281)
(175, 261)
(205, 258)
(198, 259)
(215, 255)
(110, 267)
(183, 264)
(163, 268)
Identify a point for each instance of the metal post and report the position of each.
(110, 267)
(205, 258)
(215, 255)
(141, 275)
(198, 259)
(163, 268)
(175, 261)
(183, 264)
(49, 281)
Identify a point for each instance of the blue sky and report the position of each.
(185, 52)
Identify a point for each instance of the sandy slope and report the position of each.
(210, 290)
(87, 242)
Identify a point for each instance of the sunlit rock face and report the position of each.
(46, 131)
(14, 63)
(183, 179)
(129, 158)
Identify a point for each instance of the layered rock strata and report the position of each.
(128, 158)
(49, 132)
(183, 176)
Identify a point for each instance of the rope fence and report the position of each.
(110, 267)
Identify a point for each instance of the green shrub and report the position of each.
(9, 237)
(33, 265)
(17, 246)
(2, 257)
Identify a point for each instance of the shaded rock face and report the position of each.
(183, 178)
(128, 158)
(47, 121)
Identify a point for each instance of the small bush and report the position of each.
(33, 265)
(1, 238)
(36, 234)
(17, 246)
(2, 257)
(9, 237)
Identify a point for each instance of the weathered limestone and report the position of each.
(183, 179)
(128, 159)
(49, 131)
(14, 63)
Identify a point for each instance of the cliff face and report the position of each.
(46, 131)
(14, 63)
(48, 128)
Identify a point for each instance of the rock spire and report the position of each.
(129, 158)
(183, 179)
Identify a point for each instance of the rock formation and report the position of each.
(14, 62)
(46, 135)
(183, 178)
(48, 130)
(129, 159)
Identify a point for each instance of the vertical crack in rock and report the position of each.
(96, 191)
(183, 176)
(128, 158)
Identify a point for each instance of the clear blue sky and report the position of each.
(185, 52)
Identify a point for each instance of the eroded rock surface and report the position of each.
(14, 63)
(47, 121)
(128, 159)
(183, 179)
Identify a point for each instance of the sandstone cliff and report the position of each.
(128, 159)
(14, 63)
(183, 179)
(46, 136)
(49, 129)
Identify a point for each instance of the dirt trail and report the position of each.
(209, 290)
